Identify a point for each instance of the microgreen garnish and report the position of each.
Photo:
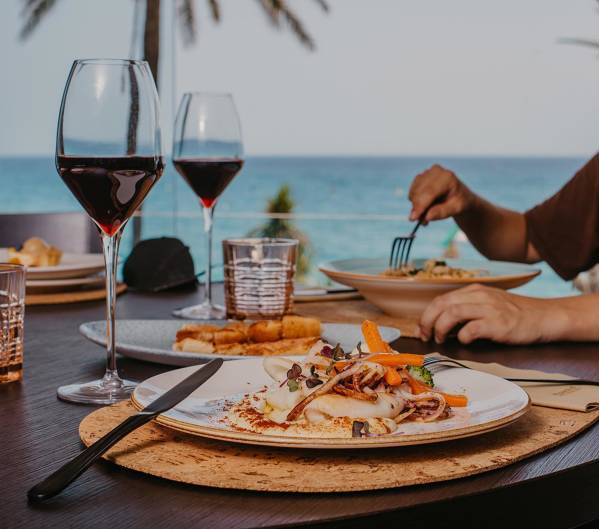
(360, 429)
(327, 351)
(359, 348)
(293, 377)
(313, 382)
(338, 353)
(294, 372)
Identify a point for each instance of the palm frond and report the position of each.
(33, 12)
(277, 10)
(214, 10)
(187, 18)
(271, 13)
(323, 5)
(580, 42)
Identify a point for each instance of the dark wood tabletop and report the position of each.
(38, 432)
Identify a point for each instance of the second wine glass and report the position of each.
(207, 153)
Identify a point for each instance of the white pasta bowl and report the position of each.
(408, 297)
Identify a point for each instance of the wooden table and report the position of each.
(38, 432)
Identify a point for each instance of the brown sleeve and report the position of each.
(565, 228)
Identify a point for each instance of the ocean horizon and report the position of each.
(348, 206)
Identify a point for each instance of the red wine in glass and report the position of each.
(207, 153)
(208, 177)
(110, 189)
(109, 154)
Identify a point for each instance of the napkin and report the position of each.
(563, 396)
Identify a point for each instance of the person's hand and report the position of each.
(493, 314)
(439, 185)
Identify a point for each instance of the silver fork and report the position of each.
(402, 246)
(436, 364)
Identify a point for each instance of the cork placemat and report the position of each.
(355, 311)
(156, 450)
(57, 298)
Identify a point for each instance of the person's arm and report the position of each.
(497, 315)
(496, 232)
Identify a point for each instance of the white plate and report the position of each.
(63, 285)
(493, 403)
(71, 265)
(151, 340)
(408, 297)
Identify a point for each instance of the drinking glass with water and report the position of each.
(12, 311)
(259, 277)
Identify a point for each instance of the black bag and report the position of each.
(159, 264)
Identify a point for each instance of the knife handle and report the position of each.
(69, 472)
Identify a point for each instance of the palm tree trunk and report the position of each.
(151, 54)
(133, 113)
(152, 36)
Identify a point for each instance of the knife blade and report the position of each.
(69, 472)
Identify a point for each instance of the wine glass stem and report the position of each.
(208, 221)
(111, 251)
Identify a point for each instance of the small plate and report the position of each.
(493, 403)
(63, 285)
(71, 265)
(151, 340)
(408, 297)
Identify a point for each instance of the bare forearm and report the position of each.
(574, 318)
(496, 232)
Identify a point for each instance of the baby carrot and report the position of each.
(372, 336)
(392, 377)
(457, 401)
(397, 359)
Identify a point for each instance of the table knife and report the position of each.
(70, 471)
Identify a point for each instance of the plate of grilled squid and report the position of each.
(367, 396)
(183, 343)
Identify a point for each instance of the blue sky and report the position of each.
(458, 77)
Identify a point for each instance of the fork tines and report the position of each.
(400, 251)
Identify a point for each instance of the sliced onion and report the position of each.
(325, 388)
(430, 395)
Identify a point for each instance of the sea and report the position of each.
(346, 206)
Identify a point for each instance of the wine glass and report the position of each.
(207, 153)
(109, 154)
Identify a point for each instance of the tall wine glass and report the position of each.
(207, 153)
(109, 154)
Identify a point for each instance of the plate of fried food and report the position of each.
(44, 261)
(366, 396)
(408, 290)
(181, 343)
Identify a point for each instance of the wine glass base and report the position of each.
(97, 392)
(204, 311)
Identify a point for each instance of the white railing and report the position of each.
(282, 216)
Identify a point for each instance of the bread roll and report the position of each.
(239, 326)
(229, 335)
(190, 345)
(300, 327)
(265, 331)
(294, 335)
(231, 348)
(296, 346)
(201, 332)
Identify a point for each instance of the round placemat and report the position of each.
(57, 298)
(159, 451)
